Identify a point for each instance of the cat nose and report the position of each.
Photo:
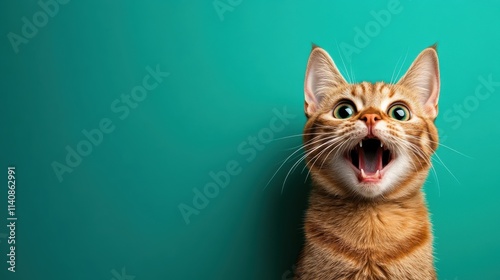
(370, 119)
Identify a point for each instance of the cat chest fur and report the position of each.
(356, 240)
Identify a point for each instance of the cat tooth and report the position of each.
(378, 174)
(361, 144)
(363, 174)
(381, 145)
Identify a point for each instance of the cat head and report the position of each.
(370, 140)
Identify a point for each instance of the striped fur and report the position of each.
(369, 230)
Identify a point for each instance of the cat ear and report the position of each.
(322, 76)
(423, 77)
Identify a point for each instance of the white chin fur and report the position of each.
(393, 174)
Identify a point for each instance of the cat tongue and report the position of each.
(370, 159)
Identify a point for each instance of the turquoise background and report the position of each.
(116, 215)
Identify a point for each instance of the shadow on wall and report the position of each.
(284, 217)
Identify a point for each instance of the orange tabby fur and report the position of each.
(359, 229)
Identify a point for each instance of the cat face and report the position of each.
(370, 140)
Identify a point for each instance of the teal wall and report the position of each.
(179, 97)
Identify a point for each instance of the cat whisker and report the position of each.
(302, 158)
(343, 63)
(437, 156)
(440, 144)
(332, 145)
(299, 148)
(437, 179)
(296, 151)
(435, 175)
(352, 73)
(399, 150)
(418, 152)
(310, 152)
(297, 135)
(446, 167)
(402, 64)
(315, 158)
(305, 143)
(340, 150)
(394, 71)
(414, 148)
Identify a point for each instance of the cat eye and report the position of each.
(344, 110)
(399, 112)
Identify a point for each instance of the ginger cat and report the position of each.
(369, 149)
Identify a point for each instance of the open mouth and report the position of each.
(370, 159)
